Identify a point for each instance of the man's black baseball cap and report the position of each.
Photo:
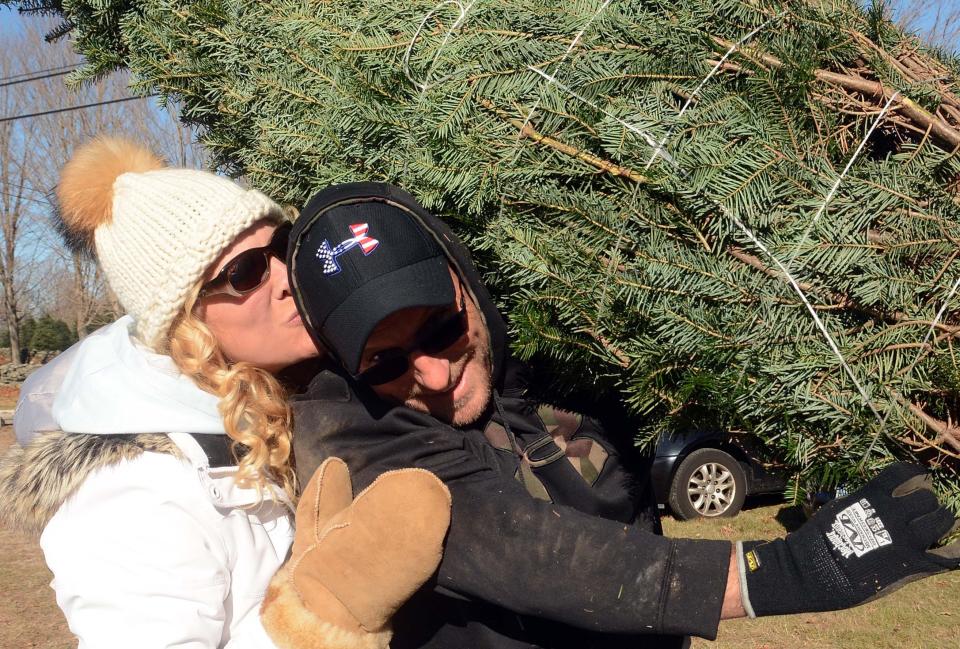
(358, 253)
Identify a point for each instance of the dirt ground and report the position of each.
(923, 615)
(8, 396)
(29, 616)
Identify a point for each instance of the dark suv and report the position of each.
(709, 473)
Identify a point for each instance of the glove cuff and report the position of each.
(744, 587)
(291, 625)
(770, 584)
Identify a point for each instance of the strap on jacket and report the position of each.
(217, 449)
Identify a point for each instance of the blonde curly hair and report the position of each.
(253, 403)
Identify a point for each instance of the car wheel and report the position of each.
(709, 484)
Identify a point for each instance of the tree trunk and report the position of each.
(80, 292)
(13, 323)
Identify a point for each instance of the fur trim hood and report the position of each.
(106, 400)
(37, 479)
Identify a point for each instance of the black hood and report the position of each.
(456, 253)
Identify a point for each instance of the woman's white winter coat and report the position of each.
(149, 545)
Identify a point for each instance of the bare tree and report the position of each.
(69, 284)
(937, 22)
(12, 177)
(18, 204)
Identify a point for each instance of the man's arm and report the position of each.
(536, 558)
(854, 550)
(528, 556)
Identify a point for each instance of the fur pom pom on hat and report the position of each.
(154, 229)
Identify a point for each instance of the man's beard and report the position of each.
(468, 408)
(466, 413)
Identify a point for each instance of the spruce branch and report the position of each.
(527, 131)
(921, 119)
(836, 300)
(947, 432)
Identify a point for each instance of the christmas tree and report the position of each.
(731, 213)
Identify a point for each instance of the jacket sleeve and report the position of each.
(525, 555)
(136, 563)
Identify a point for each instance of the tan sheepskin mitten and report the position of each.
(356, 560)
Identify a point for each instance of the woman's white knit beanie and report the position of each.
(155, 229)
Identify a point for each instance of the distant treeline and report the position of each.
(41, 334)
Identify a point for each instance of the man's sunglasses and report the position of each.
(248, 271)
(436, 335)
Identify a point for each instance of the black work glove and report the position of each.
(852, 550)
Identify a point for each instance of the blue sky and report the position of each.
(9, 20)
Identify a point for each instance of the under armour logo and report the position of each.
(328, 254)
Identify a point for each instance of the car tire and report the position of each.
(708, 484)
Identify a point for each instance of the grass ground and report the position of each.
(924, 615)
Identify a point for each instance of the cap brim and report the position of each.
(426, 283)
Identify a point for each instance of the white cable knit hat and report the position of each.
(155, 229)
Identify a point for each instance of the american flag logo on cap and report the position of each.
(328, 254)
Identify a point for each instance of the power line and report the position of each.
(30, 73)
(38, 78)
(70, 108)
(33, 72)
(27, 198)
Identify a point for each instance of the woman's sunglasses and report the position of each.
(436, 335)
(248, 271)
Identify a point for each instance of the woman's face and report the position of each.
(261, 327)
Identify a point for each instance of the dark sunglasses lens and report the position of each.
(386, 369)
(247, 271)
(280, 241)
(447, 333)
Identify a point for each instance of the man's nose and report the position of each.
(431, 372)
